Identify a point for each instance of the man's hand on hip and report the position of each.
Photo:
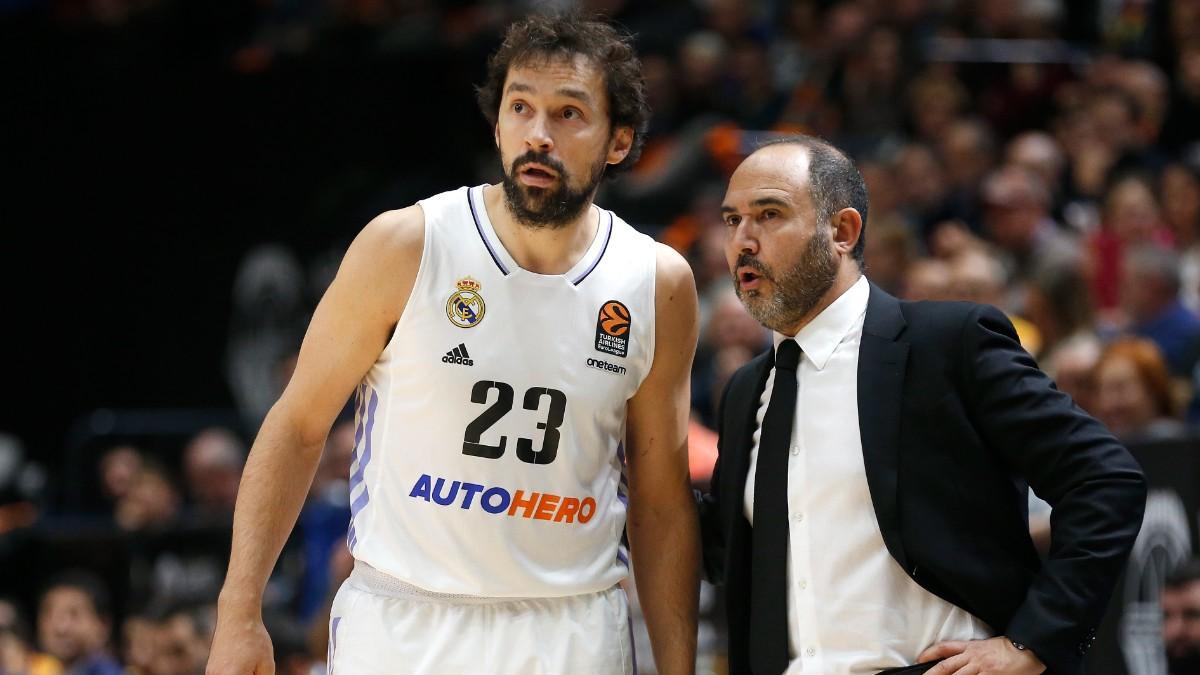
(996, 656)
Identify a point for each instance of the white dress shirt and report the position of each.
(851, 608)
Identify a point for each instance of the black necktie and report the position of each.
(768, 582)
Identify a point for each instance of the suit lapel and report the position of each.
(881, 364)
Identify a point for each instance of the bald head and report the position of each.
(1037, 151)
(214, 447)
(213, 462)
(779, 167)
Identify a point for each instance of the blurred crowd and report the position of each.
(1038, 155)
(172, 516)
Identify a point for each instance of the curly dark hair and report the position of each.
(544, 36)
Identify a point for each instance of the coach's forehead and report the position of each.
(776, 171)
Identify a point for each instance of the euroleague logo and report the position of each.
(612, 328)
(465, 307)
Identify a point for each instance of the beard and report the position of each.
(553, 207)
(795, 290)
(1185, 663)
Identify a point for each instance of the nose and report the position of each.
(537, 135)
(744, 238)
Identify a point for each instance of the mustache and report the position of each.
(747, 260)
(541, 158)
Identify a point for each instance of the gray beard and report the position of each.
(797, 290)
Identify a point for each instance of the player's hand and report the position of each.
(240, 646)
(996, 656)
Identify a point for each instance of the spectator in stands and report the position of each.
(1150, 299)
(1089, 159)
(1130, 218)
(729, 339)
(182, 638)
(139, 641)
(1183, 116)
(883, 189)
(1146, 85)
(759, 103)
(868, 85)
(1039, 152)
(1179, 193)
(890, 252)
(1017, 219)
(968, 151)
(928, 279)
(17, 655)
(212, 468)
(978, 276)
(152, 501)
(75, 623)
(1115, 114)
(1057, 302)
(292, 654)
(934, 100)
(1180, 601)
(1133, 392)
(1073, 365)
(118, 468)
(703, 59)
(924, 190)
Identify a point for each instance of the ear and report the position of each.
(496, 134)
(620, 144)
(847, 228)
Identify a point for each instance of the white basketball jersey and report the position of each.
(489, 457)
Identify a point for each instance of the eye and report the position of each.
(572, 114)
(518, 107)
(733, 220)
(770, 214)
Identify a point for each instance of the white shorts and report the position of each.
(382, 625)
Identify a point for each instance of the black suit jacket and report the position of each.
(955, 418)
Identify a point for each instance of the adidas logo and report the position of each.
(458, 355)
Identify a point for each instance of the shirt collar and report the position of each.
(826, 331)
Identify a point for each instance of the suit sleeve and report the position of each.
(1096, 488)
(712, 532)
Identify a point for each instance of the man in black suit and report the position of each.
(868, 508)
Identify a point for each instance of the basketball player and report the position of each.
(511, 348)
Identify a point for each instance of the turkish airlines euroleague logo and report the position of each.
(612, 328)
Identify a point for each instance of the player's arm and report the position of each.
(349, 329)
(663, 529)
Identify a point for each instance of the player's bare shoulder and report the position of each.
(674, 284)
(676, 307)
(394, 238)
(383, 260)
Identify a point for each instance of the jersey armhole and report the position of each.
(418, 281)
(652, 336)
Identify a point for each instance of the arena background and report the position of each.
(182, 178)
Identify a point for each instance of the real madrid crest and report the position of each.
(465, 307)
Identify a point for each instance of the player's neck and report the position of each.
(542, 250)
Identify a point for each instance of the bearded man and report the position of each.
(868, 506)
